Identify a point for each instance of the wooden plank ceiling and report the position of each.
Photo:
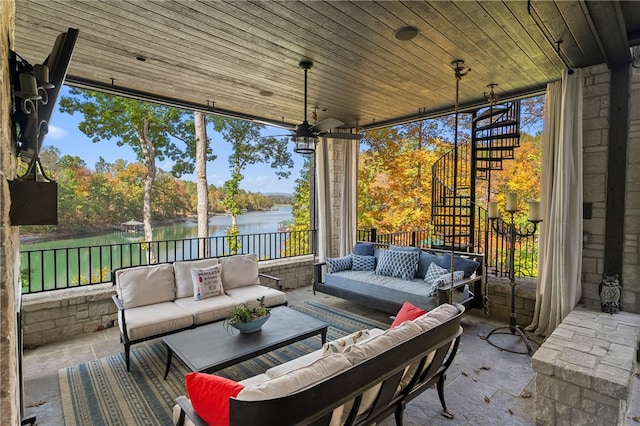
(242, 57)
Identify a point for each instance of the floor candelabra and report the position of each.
(509, 229)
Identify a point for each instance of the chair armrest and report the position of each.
(269, 277)
(187, 409)
(317, 274)
(118, 303)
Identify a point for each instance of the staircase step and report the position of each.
(497, 124)
(512, 135)
(491, 112)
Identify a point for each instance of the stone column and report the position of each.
(9, 238)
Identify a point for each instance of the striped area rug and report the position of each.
(102, 392)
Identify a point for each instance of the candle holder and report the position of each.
(502, 228)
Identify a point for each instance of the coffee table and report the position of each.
(212, 347)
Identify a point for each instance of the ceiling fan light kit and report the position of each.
(306, 135)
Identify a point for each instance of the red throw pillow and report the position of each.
(408, 312)
(210, 395)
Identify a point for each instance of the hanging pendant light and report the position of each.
(304, 137)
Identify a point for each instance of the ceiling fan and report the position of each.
(306, 135)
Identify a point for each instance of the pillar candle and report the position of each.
(492, 210)
(534, 211)
(42, 73)
(28, 84)
(512, 202)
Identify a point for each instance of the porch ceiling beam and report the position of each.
(609, 24)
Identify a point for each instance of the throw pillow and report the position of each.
(363, 249)
(207, 282)
(424, 261)
(210, 395)
(432, 278)
(363, 263)
(339, 345)
(408, 312)
(337, 264)
(446, 278)
(399, 264)
(468, 266)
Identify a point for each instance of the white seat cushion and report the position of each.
(145, 285)
(255, 380)
(296, 380)
(294, 364)
(251, 295)
(184, 281)
(239, 270)
(375, 345)
(151, 320)
(208, 310)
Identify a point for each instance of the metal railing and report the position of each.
(61, 268)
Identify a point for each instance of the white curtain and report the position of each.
(560, 254)
(336, 177)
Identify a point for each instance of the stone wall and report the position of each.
(585, 370)
(595, 123)
(54, 315)
(9, 239)
(499, 299)
(596, 146)
(631, 259)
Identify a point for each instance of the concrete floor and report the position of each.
(485, 386)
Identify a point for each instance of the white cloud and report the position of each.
(56, 133)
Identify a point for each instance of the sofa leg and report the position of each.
(399, 414)
(126, 355)
(440, 386)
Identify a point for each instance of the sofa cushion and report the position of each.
(408, 312)
(382, 342)
(363, 263)
(207, 282)
(468, 266)
(399, 264)
(337, 264)
(151, 320)
(208, 310)
(251, 295)
(340, 344)
(183, 278)
(145, 285)
(363, 249)
(297, 379)
(209, 395)
(239, 270)
(425, 260)
(436, 316)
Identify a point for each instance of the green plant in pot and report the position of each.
(248, 320)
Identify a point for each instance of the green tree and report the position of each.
(248, 147)
(151, 130)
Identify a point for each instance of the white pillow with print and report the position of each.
(207, 282)
(432, 278)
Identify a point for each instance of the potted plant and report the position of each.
(248, 320)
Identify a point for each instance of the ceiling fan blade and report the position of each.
(327, 124)
(346, 136)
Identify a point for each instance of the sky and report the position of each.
(64, 135)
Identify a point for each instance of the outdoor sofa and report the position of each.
(359, 379)
(362, 278)
(160, 299)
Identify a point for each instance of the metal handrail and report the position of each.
(61, 268)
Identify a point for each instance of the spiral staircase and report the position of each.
(456, 217)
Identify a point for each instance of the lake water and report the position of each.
(90, 259)
(249, 223)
